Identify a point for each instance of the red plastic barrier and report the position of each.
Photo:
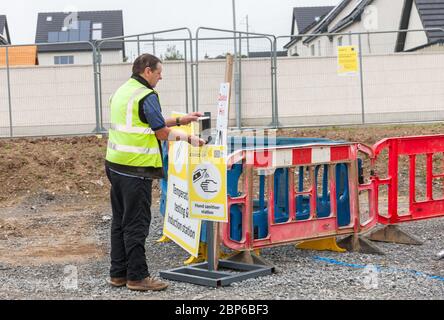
(293, 230)
(412, 147)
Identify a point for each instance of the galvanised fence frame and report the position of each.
(191, 71)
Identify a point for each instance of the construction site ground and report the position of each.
(55, 221)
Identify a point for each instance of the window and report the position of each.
(64, 60)
(48, 19)
(97, 30)
(312, 49)
(339, 41)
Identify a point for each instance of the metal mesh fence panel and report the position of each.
(251, 88)
(4, 99)
(398, 78)
(311, 91)
(51, 99)
(174, 49)
(402, 86)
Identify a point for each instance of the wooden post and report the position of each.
(214, 225)
(229, 79)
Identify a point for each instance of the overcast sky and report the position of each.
(265, 16)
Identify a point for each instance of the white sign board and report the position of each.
(178, 225)
(223, 103)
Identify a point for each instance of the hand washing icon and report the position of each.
(206, 181)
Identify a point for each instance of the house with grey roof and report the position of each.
(421, 14)
(304, 18)
(365, 16)
(65, 37)
(4, 31)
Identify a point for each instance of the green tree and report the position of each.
(172, 54)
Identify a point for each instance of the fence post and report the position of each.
(186, 75)
(236, 84)
(96, 88)
(9, 92)
(99, 82)
(195, 75)
(239, 88)
(361, 78)
(274, 92)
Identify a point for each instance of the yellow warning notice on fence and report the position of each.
(178, 225)
(347, 60)
(208, 183)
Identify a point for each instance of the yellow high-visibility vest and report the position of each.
(131, 142)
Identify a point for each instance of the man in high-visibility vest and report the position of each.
(133, 160)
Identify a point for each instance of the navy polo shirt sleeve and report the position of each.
(153, 112)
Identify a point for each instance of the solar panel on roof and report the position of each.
(84, 35)
(74, 35)
(63, 36)
(53, 37)
(85, 25)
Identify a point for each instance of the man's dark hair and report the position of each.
(145, 61)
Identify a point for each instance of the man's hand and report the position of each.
(191, 117)
(196, 141)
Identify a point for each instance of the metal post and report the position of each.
(210, 246)
(193, 95)
(239, 85)
(361, 77)
(248, 38)
(275, 95)
(154, 45)
(9, 92)
(186, 76)
(99, 78)
(234, 28)
(196, 71)
(236, 71)
(96, 89)
(138, 45)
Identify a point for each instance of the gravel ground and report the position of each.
(404, 272)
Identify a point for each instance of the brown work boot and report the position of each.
(146, 284)
(117, 282)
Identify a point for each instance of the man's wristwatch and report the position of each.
(178, 121)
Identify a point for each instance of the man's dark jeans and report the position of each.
(130, 201)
